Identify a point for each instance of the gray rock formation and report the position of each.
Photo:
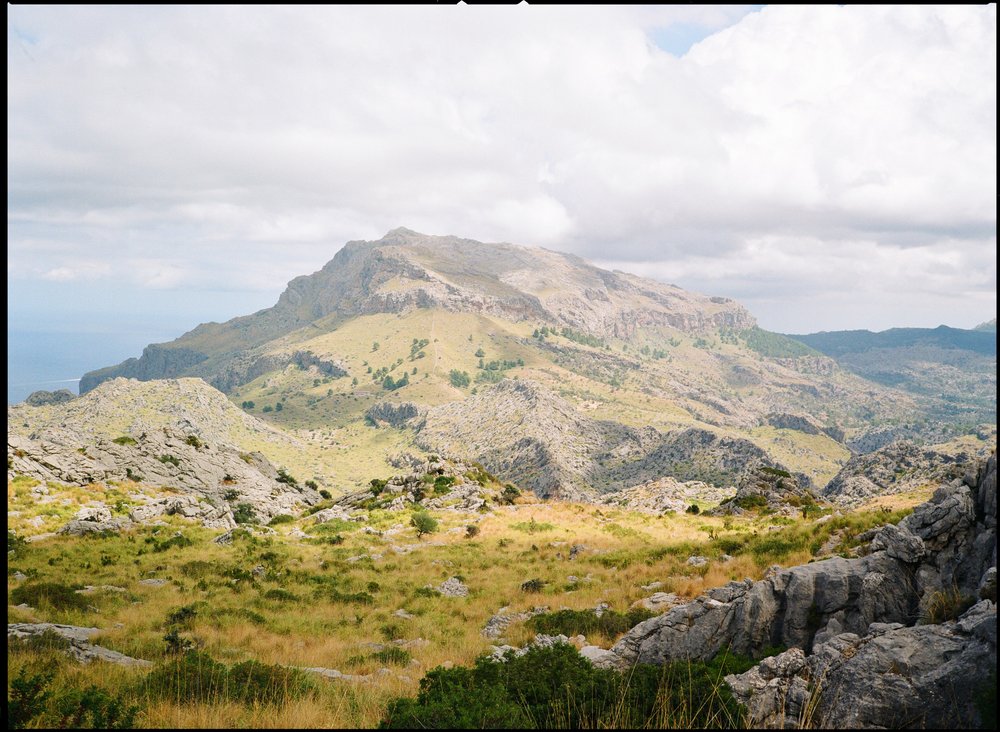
(77, 640)
(850, 624)
(895, 468)
(763, 485)
(392, 414)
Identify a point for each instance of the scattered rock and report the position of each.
(453, 587)
(78, 638)
(697, 561)
(153, 582)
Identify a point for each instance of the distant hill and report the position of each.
(950, 370)
(842, 342)
(989, 326)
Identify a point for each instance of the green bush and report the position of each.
(458, 378)
(280, 595)
(15, 544)
(557, 688)
(193, 441)
(54, 594)
(281, 518)
(177, 540)
(585, 622)
(124, 440)
(244, 514)
(89, 708)
(424, 523)
(509, 494)
(533, 585)
(172, 460)
(197, 678)
(443, 483)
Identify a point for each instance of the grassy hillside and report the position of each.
(330, 597)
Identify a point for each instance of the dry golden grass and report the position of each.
(314, 626)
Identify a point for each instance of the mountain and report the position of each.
(950, 371)
(989, 326)
(574, 379)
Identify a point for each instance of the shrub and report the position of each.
(280, 595)
(692, 509)
(312, 484)
(177, 540)
(231, 495)
(90, 708)
(172, 460)
(183, 615)
(193, 441)
(557, 688)
(244, 514)
(281, 518)
(390, 655)
(125, 440)
(377, 486)
(471, 530)
(54, 594)
(284, 477)
(443, 483)
(458, 378)
(424, 523)
(324, 493)
(197, 678)
(532, 526)
(509, 494)
(15, 544)
(533, 585)
(585, 622)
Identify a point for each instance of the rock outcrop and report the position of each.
(769, 487)
(77, 642)
(523, 431)
(65, 443)
(851, 623)
(41, 398)
(895, 468)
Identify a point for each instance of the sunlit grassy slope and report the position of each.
(329, 597)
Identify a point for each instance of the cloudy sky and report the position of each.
(830, 167)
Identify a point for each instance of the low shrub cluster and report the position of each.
(586, 622)
(557, 688)
(196, 677)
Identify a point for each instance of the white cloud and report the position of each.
(842, 149)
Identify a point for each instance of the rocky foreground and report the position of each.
(902, 637)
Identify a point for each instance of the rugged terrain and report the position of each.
(464, 331)
(949, 371)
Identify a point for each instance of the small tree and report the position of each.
(424, 523)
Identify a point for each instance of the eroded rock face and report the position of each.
(851, 624)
